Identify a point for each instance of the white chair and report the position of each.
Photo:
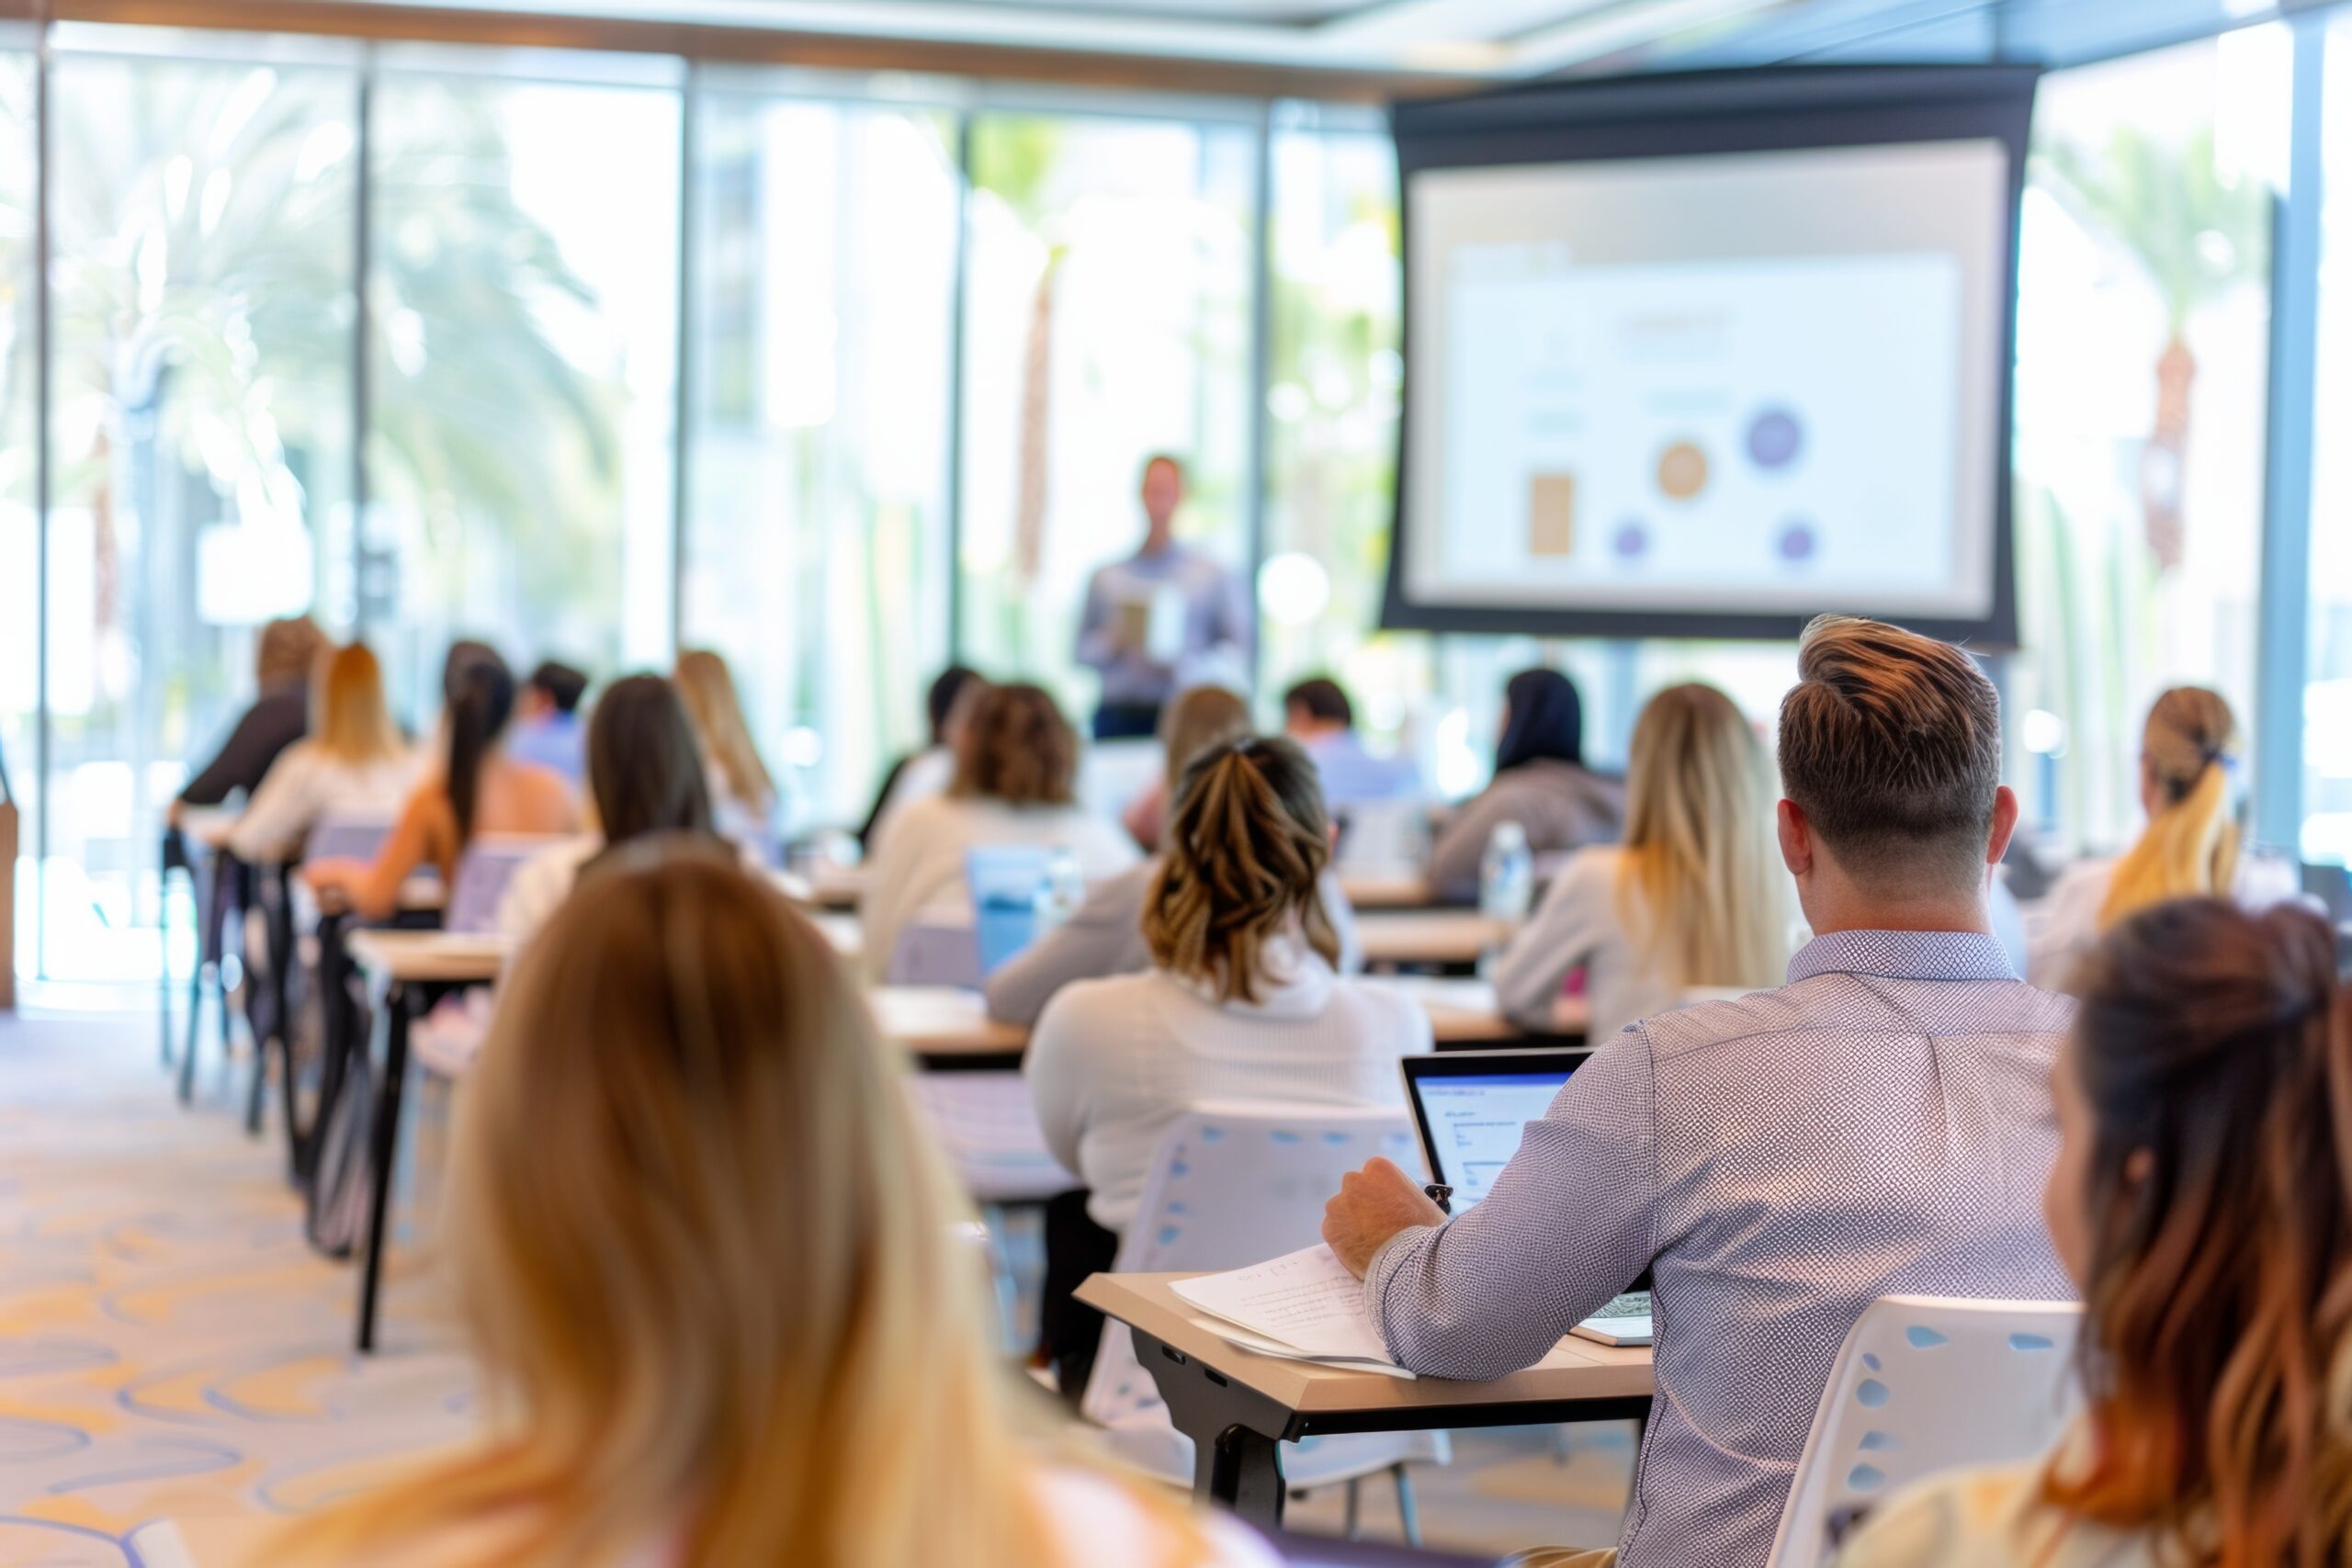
(1236, 1183)
(936, 951)
(1925, 1384)
(987, 1126)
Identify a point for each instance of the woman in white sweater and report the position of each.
(1017, 776)
(1241, 1003)
(1694, 899)
(353, 761)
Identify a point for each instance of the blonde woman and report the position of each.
(2188, 848)
(1016, 782)
(743, 792)
(354, 760)
(1242, 1000)
(711, 1271)
(1695, 899)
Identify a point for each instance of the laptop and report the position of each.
(1007, 882)
(1470, 1108)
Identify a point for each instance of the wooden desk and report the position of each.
(945, 1029)
(1238, 1406)
(1386, 887)
(836, 887)
(1440, 938)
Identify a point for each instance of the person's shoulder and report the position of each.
(1088, 1006)
(1094, 1518)
(1986, 1516)
(1398, 1011)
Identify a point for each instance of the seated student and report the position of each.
(356, 759)
(1197, 715)
(477, 789)
(742, 793)
(1879, 1125)
(284, 661)
(711, 1269)
(644, 776)
(1696, 896)
(2203, 1203)
(547, 720)
(1016, 774)
(1242, 1000)
(2189, 846)
(1540, 782)
(1318, 715)
(1104, 935)
(929, 772)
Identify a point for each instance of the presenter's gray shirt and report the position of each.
(1880, 1125)
(1217, 631)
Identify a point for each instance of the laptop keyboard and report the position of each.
(1632, 1303)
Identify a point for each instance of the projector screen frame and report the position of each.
(1698, 113)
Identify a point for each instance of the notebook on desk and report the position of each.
(1469, 1110)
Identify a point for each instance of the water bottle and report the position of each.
(1506, 888)
(1064, 891)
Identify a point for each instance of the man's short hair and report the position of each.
(1891, 745)
(563, 685)
(1156, 458)
(1322, 698)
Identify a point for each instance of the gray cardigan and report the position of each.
(1562, 807)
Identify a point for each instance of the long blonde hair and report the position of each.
(1698, 886)
(2191, 845)
(1241, 865)
(707, 687)
(707, 1262)
(348, 718)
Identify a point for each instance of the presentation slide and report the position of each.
(1475, 1123)
(1737, 383)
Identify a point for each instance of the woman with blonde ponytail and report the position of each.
(2190, 847)
(710, 1268)
(1242, 1000)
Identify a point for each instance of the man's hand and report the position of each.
(1373, 1205)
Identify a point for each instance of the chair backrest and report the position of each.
(1239, 1182)
(1925, 1384)
(489, 864)
(348, 835)
(1235, 1182)
(935, 950)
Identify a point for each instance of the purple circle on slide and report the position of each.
(1774, 438)
(1798, 541)
(1633, 541)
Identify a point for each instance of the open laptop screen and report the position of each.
(1470, 1107)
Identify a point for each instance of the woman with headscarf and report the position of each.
(1540, 782)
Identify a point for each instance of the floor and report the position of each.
(170, 1348)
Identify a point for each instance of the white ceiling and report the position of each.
(1471, 39)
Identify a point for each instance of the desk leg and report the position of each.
(384, 1147)
(164, 939)
(200, 898)
(1236, 1462)
(338, 1037)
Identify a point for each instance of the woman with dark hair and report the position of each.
(479, 789)
(1540, 782)
(1016, 782)
(921, 774)
(645, 775)
(2202, 1200)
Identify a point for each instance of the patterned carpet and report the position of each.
(171, 1349)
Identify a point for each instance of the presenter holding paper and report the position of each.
(1165, 619)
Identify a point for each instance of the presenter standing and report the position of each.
(1166, 618)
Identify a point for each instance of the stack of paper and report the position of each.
(1305, 1306)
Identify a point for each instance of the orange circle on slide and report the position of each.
(1682, 470)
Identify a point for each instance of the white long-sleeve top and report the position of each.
(1114, 1062)
(307, 783)
(919, 865)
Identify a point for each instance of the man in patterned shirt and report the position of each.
(1881, 1125)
